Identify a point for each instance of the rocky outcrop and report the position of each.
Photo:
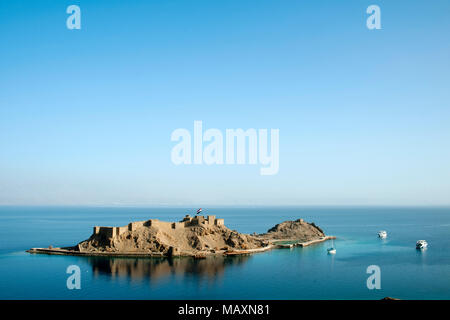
(295, 230)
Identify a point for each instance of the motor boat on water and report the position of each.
(421, 244)
(382, 234)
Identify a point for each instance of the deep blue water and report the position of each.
(299, 273)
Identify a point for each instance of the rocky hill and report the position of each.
(295, 230)
(185, 241)
(194, 237)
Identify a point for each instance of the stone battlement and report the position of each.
(199, 220)
(188, 221)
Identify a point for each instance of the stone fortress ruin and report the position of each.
(188, 221)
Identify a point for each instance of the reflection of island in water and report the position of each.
(155, 269)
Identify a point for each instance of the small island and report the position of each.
(196, 236)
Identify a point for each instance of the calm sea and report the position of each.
(298, 273)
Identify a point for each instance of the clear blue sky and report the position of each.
(86, 115)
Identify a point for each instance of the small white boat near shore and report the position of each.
(331, 250)
(421, 244)
(382, 234)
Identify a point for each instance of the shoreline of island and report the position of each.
(69, 252)
(196, 237)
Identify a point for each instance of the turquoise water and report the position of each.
(298, 273)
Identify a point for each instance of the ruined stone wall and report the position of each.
(178, 225)
(112, 232)
(157, 223)
(211, 220)
(132, 226)
(199, 220)
(107, 232)
(119, 230)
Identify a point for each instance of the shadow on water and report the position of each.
(154, 269)
(422, 257)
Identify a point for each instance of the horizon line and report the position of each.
(174, 206)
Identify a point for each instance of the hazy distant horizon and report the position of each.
(217, 206)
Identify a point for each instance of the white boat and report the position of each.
(332, 250)
(421, 244)
(382, 234)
